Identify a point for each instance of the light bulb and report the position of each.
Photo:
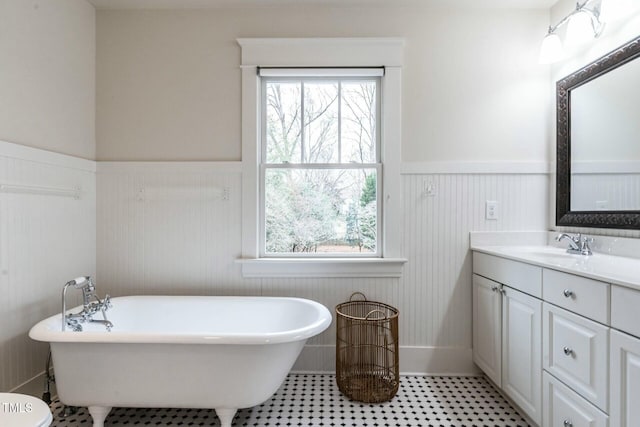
(551, 49)
(580, 29)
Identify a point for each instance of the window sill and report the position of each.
(321, 267)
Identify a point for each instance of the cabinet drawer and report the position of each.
(575, 350)
(625, 303)
(563, 407)
(523, 277)
(587, 297)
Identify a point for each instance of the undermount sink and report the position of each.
(548, 253)
(545, 251)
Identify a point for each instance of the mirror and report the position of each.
(598, 142)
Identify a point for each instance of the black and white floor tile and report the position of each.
(312, 400)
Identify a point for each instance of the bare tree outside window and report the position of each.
(320, 160)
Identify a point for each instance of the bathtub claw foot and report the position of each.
(99, 414)
(226, 416)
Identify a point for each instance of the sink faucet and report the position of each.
(89, 308)
(578, 244)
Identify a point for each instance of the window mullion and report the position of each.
(339, 121)
(302, 133)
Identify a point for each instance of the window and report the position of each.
(320, 169)
(304, 165)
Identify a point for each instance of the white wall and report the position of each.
(47, 101)
(45, 240)
(168, 85)
(47, 75)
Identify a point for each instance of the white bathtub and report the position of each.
(222, 353)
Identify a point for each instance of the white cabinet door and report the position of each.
(522, 351)
(487, 334)
(625, 380)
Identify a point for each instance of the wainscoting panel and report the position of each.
(175, 229)
(435, 290)
(170, 229)
(47, 237)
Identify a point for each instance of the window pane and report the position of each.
(283, 124)
(359, 106)
(320, 211)
(321, 122)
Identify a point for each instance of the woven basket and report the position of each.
(367, 350)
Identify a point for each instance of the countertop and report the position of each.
(613, 269)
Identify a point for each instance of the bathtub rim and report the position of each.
(48, 329)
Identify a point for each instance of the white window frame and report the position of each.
(323, 52)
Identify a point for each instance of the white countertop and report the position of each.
(614, 269)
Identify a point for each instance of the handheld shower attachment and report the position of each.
(79, 282)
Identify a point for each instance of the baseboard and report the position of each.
(34, 387)
(413, 360)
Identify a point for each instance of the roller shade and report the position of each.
(320, 72)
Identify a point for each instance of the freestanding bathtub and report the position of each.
(222, 353)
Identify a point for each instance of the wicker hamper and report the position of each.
(367, 350)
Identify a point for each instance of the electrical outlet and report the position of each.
(492, 210)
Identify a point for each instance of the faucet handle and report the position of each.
(106, 302)
(584, 245)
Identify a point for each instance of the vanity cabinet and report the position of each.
(564, 347)
(507, 339)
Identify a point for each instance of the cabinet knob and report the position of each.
(503, 291)
(567, 423)
(494, 289)
(567, 293)
(568, 351)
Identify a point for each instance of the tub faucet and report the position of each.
(89, 308)
(578, 244)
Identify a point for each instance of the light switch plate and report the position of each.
(492, 210)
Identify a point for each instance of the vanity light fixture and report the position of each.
(612, 10)
(583, 23)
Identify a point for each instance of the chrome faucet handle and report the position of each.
(584, 246)
(73, 323)
(106, 302)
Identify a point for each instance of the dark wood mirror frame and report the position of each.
(564, 215)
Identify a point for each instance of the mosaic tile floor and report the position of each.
(314, 400)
